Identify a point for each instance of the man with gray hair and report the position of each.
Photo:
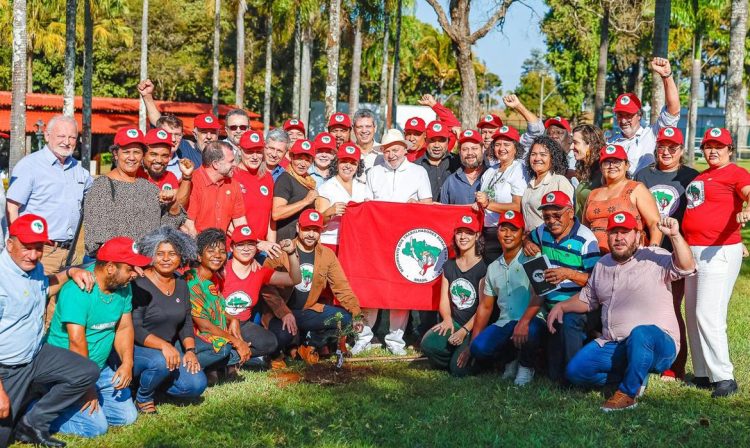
(365, 127)
(236, 123)
(51, 183)
(277, 144)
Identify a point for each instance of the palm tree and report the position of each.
(144, 63)
(601, 69)
(396, 62)
(88, 74)
(297, 64)
(332, 54)
(69, 82)
(662, 13)
(216, 54)
(736, 115)
(269, 73)
(384, 69)
(18, 103)
(356, 74)
(435, 57)
(309, 18)
(239, 86)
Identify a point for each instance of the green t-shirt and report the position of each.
(99, 313)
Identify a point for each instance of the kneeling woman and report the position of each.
(164, 352)
(446, 345)
(506, 283)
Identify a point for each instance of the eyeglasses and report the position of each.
(241, 127)
(670, 149)
(550, 217)
(613, 162)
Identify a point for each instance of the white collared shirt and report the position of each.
(408, 181)
(335, 192)
(640, 147)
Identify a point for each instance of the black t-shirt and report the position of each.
(668, 189)
(167, 317)
(291, 190)
(463, 289)
(300, 292)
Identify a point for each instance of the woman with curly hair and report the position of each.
(546, 165)
(587, 140)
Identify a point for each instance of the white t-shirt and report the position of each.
(640, 147)
(532, 197)
(335, 192)
(502, 186)
(408, 181)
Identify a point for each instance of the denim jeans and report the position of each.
(150, 367)
(313, 322)
(628, 362)
(563, 345)
(494, 342)
(208, 357)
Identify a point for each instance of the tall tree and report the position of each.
(356, 72)
(459, 30)
(216, 55)
(384, 68)
(269, 73)
(332, 54)
(297, 64)
(601, 69)
(18, 102)
(662, 13)
(736, 115)
(396, 68)
(88, 74)
(69, 84)
(239, 80)
(143, 63)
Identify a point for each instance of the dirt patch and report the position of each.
(324, 374)
(284, 379)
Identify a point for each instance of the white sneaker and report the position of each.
(361, 348)
(398, 351)
(524, 376)
(510, 370)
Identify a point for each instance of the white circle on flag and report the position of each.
(420, 255)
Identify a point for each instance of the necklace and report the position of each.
(159, 283)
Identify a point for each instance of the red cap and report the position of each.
(470, 135)
(158, 136)
(437, 129)
(621, 219)
(628, 103)
(557, 121)
(339, 119)
(670, 134)
(555, 199)
(303, 146)
(310, 218)
(718, 135)
(242, 234)
(130, 134)
(349, 151)
(511, 217)
(324, 140)
(206, 121)
(490, 121)
(612, 152)
(29, 229)
(415, 124)
(507, 133)
(122, 250)
(294, 123)
(468, 222)
(252, 140)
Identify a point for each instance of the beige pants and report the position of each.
(53, 260)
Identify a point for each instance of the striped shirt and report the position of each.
(578, 250)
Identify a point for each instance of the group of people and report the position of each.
(208, 255)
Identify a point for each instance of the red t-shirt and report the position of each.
(258, 196)
(214, 204)
(242, 295)
(168, 180)
(713, 200)
(412, 156)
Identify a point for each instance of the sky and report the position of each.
(504, 51)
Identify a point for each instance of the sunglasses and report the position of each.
(670, 149)
(241, 127)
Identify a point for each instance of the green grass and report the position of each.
(700, 164)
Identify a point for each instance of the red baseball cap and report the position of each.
(555, 199)
(511, 217)
(158, 136)
(437, 129)
(30, 229)
(310, 218)
(122, 249)
(415, 124)
(612, 152)
(242, 234)
(490, 121)
(470, 135)
(206, 121)
(508, 133)
(349, 151)
(468, 222)
(303, 146)
(628, 103)
(621, 219)
(670, 134)
(252, 140)
(557, 121)
(339, 119)
(294, 123)
(718, 135)
(130, 134)
(326, 141)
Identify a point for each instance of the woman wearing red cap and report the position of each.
(712, 224)
(295, 190)
(587, 139)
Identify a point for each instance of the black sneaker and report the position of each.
(724, 388)
(702, 382)
(25, 433)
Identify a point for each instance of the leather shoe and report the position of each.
(724, 388)
(28, 434)
(702, 382)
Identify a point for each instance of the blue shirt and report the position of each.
(23, 300)
(315, 174)
(187, 151)
(457, 190)
(509, 283)
(54, 191)
(276, 172)
(174, 166)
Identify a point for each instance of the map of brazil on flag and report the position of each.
(393, 254)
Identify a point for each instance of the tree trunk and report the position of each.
(332, 54)
(384, 70)
(469, 97)
(387, 119)
(88, 74)
(29, 72)
(239, 78)
(396, 69)
(638, 88)
(662, 14)
(217, 44)
(354, 83)
(144, 64)
(306, 74)
(69, 82)
(269, 69)
(18, 102)
(735, 102)
(601, 72)
(297, 66)
(695, 79)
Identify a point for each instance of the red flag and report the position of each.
(393, 253)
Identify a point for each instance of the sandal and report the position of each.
(146, 408)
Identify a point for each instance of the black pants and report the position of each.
(320, 325)
(492, 248)
(569, 338)
(262, 342)
(68, 375)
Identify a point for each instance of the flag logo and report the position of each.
(420, 255)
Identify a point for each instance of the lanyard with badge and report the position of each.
(498, 178)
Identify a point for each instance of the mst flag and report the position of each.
(393, 253)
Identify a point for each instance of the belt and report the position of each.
(61, 244)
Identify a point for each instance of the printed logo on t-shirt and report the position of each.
(463, 294)
(103, 326)
(264, 190)
(667, 199)
(237, 302)
(37, 226)
(243, 190)
(167, 187)
(307, 277)
(695, 193)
